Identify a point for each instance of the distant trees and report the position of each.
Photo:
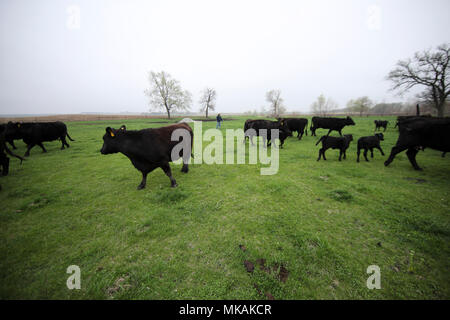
(322, 106)
(361, 105)
(166, 93)
(208, 100)
(276, 102)
(429, 69)
(387, 108)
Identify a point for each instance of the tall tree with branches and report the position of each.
(361, 105)
(428, 69)
(276, 102)
(323, 105)
(208, 100)
(166, 93)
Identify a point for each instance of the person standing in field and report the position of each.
(219, 120)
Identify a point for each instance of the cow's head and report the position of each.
(283, 126)
(380, 136)
(348, 137)
(14, 129)
(110, 143)
(349, 121)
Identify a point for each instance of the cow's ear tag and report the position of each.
(18, 125)
(111, 133)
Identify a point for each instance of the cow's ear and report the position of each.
(110, 132)
(123, 128)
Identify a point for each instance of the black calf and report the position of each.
(369, 143)
(341, 143)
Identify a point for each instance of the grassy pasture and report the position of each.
(318, 225)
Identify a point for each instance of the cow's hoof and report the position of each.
(386, 163)
(174, 185)
(418, 169)
(140, 187)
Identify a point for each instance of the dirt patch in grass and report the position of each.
(341, 195)
(119, 285)
(417, 180)
(279, 270)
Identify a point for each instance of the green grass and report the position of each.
(325, 222)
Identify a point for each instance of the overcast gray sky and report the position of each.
(94, 56)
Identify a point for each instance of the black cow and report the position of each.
(330, 123)
(420, 133)
(381, 124)
(341, 143)
(4, 160)
(37, 132)
(12, 132)
(148, 149)
(369, 143)
(252, 128)
(298, 125)
(401, 119)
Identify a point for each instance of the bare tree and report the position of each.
(361, 105)
(427, 69)
(208, 100)
(323, 105)
(166, 93)
(276, 102)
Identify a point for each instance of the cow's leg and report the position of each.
(329, 131)
(340, 154)
(345, 154)
(144, 181)
(320, 153)
(29, 147)
(365, 154)
(168, 172)
(381, 150)
(357, 154)
(42, 147)
(371, 152)
(394, 151)
(340, 132)
(11, 142)
(64, 142)
(411, 153)
(4, 162)
(384, 129)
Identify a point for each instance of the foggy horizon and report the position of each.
(70, 57)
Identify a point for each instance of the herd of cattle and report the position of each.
(149, 149)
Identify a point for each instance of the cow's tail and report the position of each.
(69, 137)
(12, 154)
(321, 139)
